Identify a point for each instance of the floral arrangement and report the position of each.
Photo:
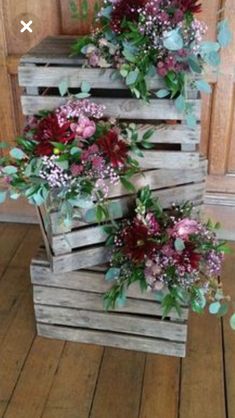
(71, 157)
(170, 253)
(145, 38)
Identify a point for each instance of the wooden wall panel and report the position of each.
(52, 17)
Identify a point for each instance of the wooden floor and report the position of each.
(54, 379)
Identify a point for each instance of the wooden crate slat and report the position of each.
(149, 327)
(148, 345)
(118, 108)
(92, 282)
(171, 134)
(97, 78)
(170, 159)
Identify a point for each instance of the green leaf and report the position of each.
(75, 151)
(214, 308)
(112, 274)
(106, 11)
(14, 195)
(224, 34)
(207, 47)
(63, 87)
(9, 170)
(132, 77)
(127, 184)
(232, 321)
(3, 196)
(129, 55)
(90, 215)
(179, 245)
(180, 103)
(121, 300)
(3, 145)
(203, 86)
(115, 210)
(64, 165)
(173, 41)
(223, 310)
(85, 87)
(17, 153)
(191, 120)
(212, 59)
(194, 64)
(82, 203)
(82, 95)
(162, 93)
(148, 134)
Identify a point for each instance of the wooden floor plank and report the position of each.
(160, 388)
(14, 350)
(28, 247)
(36, 379)
(202, 385)
(13, 285)
(73, 388)
(229, 334)
(10, 239)
(119, 385)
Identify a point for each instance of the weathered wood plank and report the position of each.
(83, 300)
(74, 384)
(171, 159)
(97, 78)
(14, 351)
(171, 134)
(35, 381)
(120, 108)
(115, 322)
(204, 363)
(110, 339)
(161, 387)
(121, 399)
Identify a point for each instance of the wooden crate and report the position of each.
(70, 307)
(43, 69)
(82, 245)
(173, 169)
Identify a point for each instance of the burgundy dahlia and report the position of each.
(113, 148)
(49, 129)
(192, 6)
(125, 9)
(137, 243)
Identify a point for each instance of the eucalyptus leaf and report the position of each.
(106, 11)
(173, 41)
(112, 274)
(162, 93)
(180, 103)
(214, 308)
(85, 87)
(207, 47)
(75, 151)
(63, 87)
(3, 196)
(213, 59)
(224, 34)
(132, 77)
(179, 245)
(82, 203)
(82, 95)
(191, 120)
(223, 309)
(194, 64)
(232, 321)
(14, 195)
(9, 170)
(203, 86)
(17, 153)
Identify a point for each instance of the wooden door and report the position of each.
(53, 17)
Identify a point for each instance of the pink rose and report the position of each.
(186, 227)
(84, 128)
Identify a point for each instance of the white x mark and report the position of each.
(26, 26)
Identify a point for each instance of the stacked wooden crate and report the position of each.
(173, 168)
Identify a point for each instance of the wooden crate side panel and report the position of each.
(171, 134)
(118, 108)
(82, 300)
(193, 192)
(80, 259)
(171, 159)
(115, 322)
(148, 345)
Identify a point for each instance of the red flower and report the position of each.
(137, 243)
(125, 9)
(44, 148)
(49, 130)
(188, 256)
(114, 148)
(192, 6)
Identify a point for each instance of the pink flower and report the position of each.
(94, 59)
(152, 272)
(98, 163)
(152, 223)
(76, 169)
(89, 152)
(84, 128)
(184, 228)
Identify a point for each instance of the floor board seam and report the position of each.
(96, 384)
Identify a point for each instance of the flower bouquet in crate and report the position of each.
(170, 253)
(145, 39)
(68, 162)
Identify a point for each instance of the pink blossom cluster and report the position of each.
(74, 109)
(53, 173)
